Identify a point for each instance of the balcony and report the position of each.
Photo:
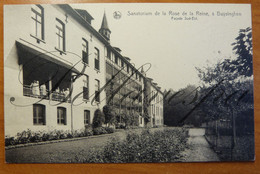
(36, 92)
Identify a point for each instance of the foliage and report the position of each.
(99, 131)
(160, 146)
(109, 130)
(243, 64)
(109, 113)
(29, 136)
(146, 104)
(227, 92)
(130, 120)
(178, 104)
(88, 130)
(228, 85)
(98, 119)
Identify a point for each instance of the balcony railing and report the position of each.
(44, 94)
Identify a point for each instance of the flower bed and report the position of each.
(29, 136)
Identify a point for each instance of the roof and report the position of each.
(85, 12)
(117, 49)
(81, 20)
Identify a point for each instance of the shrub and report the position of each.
(23, 137)
(45, 137)
(120, 126)
(98, 119)
(9, 141)
(69, 135)
(109, 113)
(109, 130)
(35, 137)
(160, 146)
(88, 131)
(99, 131)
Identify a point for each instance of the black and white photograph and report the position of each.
(128, 83)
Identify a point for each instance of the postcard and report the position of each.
(128, 83)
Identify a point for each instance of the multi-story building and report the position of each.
(56, 65)
(154, 107)
(124, 81)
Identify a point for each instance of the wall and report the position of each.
(18, 26)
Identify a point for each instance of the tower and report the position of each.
(142, 71)
(104, 30)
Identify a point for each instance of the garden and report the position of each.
(164, 145)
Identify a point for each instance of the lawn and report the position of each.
(81, 150)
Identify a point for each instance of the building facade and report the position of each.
(59, 70)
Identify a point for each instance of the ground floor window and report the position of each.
(39, 116)
(61, 116)
(86, 117)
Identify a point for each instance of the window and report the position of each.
(108, 53)
(86, 88)
(97, 87)
(60, 35)
(38, 22)
(85, 51)
(122, 64)
(116, 60)
(86, 117)
(96, 59)
(61, 116)
(39, 114)
(127, 68)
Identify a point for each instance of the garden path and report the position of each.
(199, 150)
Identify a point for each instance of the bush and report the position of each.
(88, 131)
(9, 141)
(160, 146)
(35, 137)
(98, 119)
(29, 136)
(109, 130)
(99, 131)
(45, 137)
(109, 113)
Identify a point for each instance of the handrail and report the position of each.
(38, 93)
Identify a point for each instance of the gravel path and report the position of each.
(199, 150)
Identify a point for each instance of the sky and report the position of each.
(174, 47)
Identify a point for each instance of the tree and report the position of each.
(110, 116)
(229, 84)
(146, 104)
(178, 104)
(243, 49)
(98, 119)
